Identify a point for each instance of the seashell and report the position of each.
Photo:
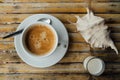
(94, 31)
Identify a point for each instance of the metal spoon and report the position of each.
(46, 20)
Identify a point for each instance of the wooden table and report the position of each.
(12, 12)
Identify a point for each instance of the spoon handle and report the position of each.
(47, 20)
(14, 33)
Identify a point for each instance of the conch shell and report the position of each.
(94, 31)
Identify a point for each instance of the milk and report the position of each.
(95, 66)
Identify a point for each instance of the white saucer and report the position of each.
(57, 55)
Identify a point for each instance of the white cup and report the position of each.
(24, 47)
(95, 66)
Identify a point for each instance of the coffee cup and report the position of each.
(39, 39)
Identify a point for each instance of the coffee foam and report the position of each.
(43, 35)
(41, 39)
(32, 36)
(37, 44)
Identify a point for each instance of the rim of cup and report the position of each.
(87, 61)
(23, 35)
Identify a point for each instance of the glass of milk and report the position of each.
(95, 66)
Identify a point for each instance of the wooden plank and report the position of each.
(56, 76)
(6, 46)
(16, 18)
(58, 68)
(108, 50)
(72, 46)
(59, 1)
(112, 68)
(48, 1)
(70, 27)
(115, 28)
(77, 37)
(8, 28)
(13, 18)
(70, 57)
(57, 8)
(79, 47)
(74, 37)
(12, 57)
(51, 76)
(108, 57)
(7, 39)
(107, 77)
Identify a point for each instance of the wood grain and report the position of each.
(72, 47)
(58, 68)
(12, 57)
(48, 1)
(115, 28)
(74, 37)
(58, 77)
(77, 37)
(6, 46)
(57, 8)
(51, 76)
(15, 18)
(56, 1)
(70, 57)
(13, 12)
(107, 77)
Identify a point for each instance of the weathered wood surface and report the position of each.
(70, 57)
(59, 1)
(13, 12)
(17, 18)
(45, 76)
(58, 7)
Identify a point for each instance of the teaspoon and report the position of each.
(46, 20)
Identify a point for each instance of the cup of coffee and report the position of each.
(39, 39)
